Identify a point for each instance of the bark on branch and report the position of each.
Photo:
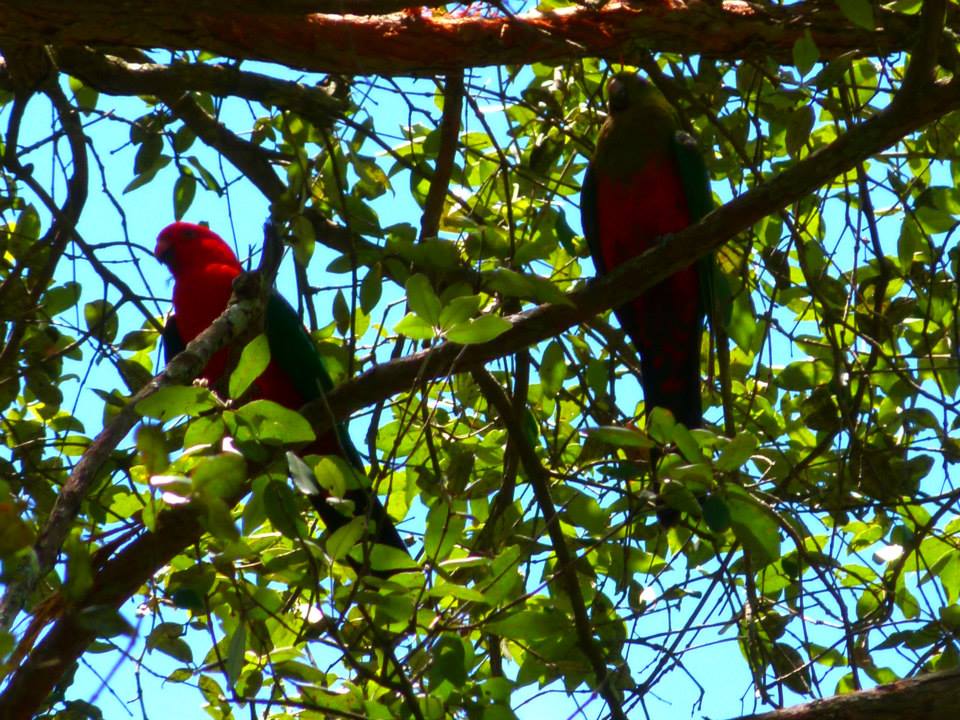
(931, 697)
(418, 42)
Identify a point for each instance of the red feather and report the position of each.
(204, 268)
(632, 215)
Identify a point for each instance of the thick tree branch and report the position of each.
(417, 42)
(931, 697)
(115, 76)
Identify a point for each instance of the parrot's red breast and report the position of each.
(633, 214)
(204, 268)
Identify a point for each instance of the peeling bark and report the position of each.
(416, 41)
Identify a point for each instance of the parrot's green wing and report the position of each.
(173, 343)
(589, 218)
(714, 288)
(292, 349)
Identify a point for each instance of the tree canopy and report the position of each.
(423, 166)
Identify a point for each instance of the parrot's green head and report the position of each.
(640, 124)
(631, 96)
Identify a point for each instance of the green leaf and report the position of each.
(60, 298)
(303, 240)
(148, 175)
(803, 375)
(281, 508)
(867, 604)
(531, 625)
(148, 154)
(183, 138)
(218, 521)
(799, 127)
(449, 662)
(341, 313)
(336, 476)
(805, 53)
(167, 638)
(736, 452)
(859, 12)
(677, 495)
(371, 288)
(686, 443)
(553, 369)
(79, 568)
(101, 319)
(661, 424)
(184, 190)
(204, 430)
(273, 423)
(716, 513)
(386, 558)
(459, 310)
(584, 511)
(253, 361)
(484, 329)
(422, 299)
(152, 448)
(235, 653)
(444, 529)
(344, 539)
(176, 400)
(755, 526)
(743, 325)
(414, 327)
(85, 96)
(528, 287)
(620, 437)
(15, 533)
(907, 7)
(221, 476)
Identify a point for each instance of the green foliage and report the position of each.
(816, 546)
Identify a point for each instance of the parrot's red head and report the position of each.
(183, 244)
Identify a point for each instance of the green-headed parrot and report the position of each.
(647, 179)
(203, 268)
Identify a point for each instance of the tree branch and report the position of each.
(932, 697)
(115, 76)
(449, 139)
(566, 562)
(417, 42)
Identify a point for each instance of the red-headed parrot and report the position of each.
(647, 179)
(203, 268)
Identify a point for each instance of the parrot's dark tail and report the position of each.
(367, 504)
